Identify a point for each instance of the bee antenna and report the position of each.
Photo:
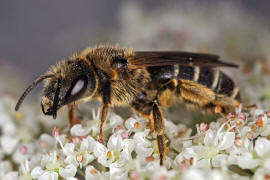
(29, 89)
(56, 98)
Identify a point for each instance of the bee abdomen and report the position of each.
(202, 75)
(211, 78)
(225, 85)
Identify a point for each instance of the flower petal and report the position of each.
(262, 146)
(37, 172)
(78, 130)
(209, 138)
(226, 140)
(246, 161)
(114, 142)
(69, 171)
(9, 143)
(49, 176)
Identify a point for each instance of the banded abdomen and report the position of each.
(200, 86)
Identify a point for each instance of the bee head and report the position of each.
(65, 82)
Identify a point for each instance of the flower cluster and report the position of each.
(235, 146)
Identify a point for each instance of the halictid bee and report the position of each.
(145, 81)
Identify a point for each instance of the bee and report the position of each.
(144, 81)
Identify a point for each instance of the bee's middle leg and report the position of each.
(157, 118)
(155, 121)
(159, 128)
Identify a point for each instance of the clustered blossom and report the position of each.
(235, 146)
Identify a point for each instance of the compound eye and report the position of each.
(77, 87)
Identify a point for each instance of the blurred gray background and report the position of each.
(35, 34)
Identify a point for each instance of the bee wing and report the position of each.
(159, 58)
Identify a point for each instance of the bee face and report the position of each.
(76, 81)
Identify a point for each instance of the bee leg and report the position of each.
(71, 118)
(171, 85)
(105, 109)
(218, 110)
(159, 128)
(150, 125)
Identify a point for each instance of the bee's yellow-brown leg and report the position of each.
(71, 118)
(159, 128)
(171, 85)
(150, 125)
(105, 109)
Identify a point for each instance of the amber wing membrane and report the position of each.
(164, 58)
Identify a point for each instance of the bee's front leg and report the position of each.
(71, 117)
(70, 113)
(105, 109)
(159, 128)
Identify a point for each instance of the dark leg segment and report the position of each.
(105, 109)
(159, 129)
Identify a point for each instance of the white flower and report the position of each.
(220, 160)
(92, 173)
(118, 151)
(13, 175)
(246, 161)
(40, 174)
(113, 121)
(46, 142)
(226, 140)
(186, 158)
(215, 142)
(143, 146)
(77, 157)
(9, 143)
(135, 124)
(37, 172)
(193, 173)
(261, 174)
(117, 173)
(266, 163)
(78, 130)
(8, 127)
(23, 152)
(262, 146)
(68, 171)
(48, 176)
(222, 140)
(5, 167)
